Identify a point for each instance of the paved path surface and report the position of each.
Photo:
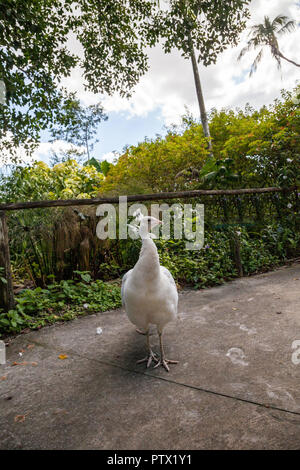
(235, 387)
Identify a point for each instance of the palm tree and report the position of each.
(264, 34)
(203, 114)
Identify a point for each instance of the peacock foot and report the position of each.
(164, 363)
(142, 332)
(151, 357)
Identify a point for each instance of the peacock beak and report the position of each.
(157, 222)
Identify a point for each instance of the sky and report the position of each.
(167, 89)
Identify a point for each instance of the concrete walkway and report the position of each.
(235, 387)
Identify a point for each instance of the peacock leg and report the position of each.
(163, 361)
(151, 355)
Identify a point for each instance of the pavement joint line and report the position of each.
(192, 387)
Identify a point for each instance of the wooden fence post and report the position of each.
(7, 300)
(237, 252)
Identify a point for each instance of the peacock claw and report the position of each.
(151, 357)
(142, 333)
(164, 363)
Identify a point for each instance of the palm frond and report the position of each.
(245, 49)
(257, 30)
(278, 60)
(287, 28)
(276, 57)
(267, 23)
(256, 62)
(252, 44)
(280, 20)
(264, 34)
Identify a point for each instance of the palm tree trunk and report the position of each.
(285, 58)
(87, 143)
(203, 114)
(277, 52)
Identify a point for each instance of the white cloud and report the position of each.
(109, 156)
(44, 149)
(58, 146)
(169, 84)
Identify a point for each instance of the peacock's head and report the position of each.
(147, 223)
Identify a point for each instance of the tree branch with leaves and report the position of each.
(201, 31)
(35, 56)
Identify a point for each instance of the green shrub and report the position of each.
(59, 302)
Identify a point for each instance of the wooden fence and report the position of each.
(6, 288)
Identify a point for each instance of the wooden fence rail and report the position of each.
(6, 288)
(11, 206)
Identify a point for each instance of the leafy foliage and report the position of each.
(80, 125)
(33, 54)
(35, 57)
(2, 278)
(40, 182)
(200, 30)
(209, 27)
(252, 148)
(213, 264)
(59, 302)
(113, 34)
(153, 164)
(219, 173)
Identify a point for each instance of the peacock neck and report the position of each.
(148, 263)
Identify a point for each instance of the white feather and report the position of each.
(149, 293)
